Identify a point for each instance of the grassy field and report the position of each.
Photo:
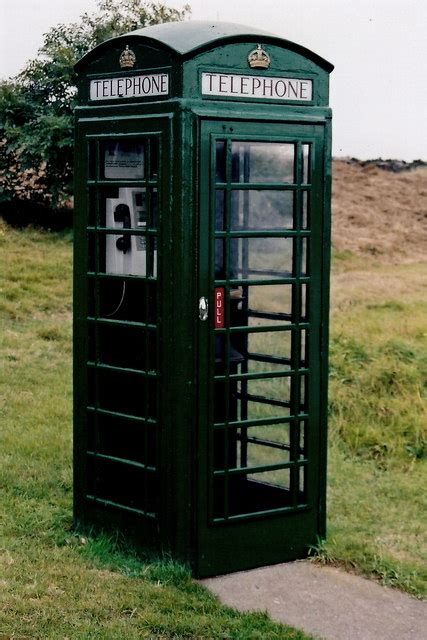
(378, 423)
(57, 585)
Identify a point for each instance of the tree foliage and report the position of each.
(36, 107)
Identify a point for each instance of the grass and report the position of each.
(55, 584)
(378, 425)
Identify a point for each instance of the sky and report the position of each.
(378, 47)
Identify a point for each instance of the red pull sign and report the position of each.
(219, 307)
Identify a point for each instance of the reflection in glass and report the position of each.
(256, 209)
(304, 349)
(262, 162)
(304, 256)
(303, 439)
(305, 210)
(306, 177)
(302, 481)
(304, 309)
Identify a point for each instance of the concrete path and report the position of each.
(325, 602)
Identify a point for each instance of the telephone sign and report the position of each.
(232, 85)
(129, 87)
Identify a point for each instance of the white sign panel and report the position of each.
(130, 87)
(239, 86)
(124, 160)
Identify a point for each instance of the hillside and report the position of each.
(378, 212)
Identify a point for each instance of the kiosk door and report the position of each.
(260, 441)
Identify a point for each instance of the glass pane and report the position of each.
(280, 478)
(220, 161)
(305, 220)
(122, 438)
(137, 201)
(268, 351)
(266, 304)
(92, 263)
(260, 258)
(306, 155)
(137, 488)
(259, 399)
(133, 300)
(239, 448)
(129, 347)
(154, 160)
(219, 259)
(92, 160)
(304, 256)
(126, 393)
(304, 349)
(262, 162)
(123, 160)
(274, 389)
(124, 208)
(303, 440)
(127, 254)
(219, 210)
(253, 493)
(303, 393)
(304, 307)
(302, 482)
(266, 445)
(153, 207)
(262, 210)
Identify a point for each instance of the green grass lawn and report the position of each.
(55, 584)
(378, 423)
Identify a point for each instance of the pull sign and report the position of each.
(219, 307)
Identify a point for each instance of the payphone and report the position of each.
(127, 254)
(202, 241)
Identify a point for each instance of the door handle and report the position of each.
(203, 308)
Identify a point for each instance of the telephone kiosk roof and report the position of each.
(188, 38)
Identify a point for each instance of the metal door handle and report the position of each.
(203, 308)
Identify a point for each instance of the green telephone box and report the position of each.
(202, 242)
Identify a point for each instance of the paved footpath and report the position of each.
(325, 602)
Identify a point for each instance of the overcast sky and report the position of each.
(378, 47)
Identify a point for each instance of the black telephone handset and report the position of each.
(122, 214)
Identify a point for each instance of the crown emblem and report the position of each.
(127, 58)
(259, 59)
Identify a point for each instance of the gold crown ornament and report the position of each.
(127, 58)
(259, 59)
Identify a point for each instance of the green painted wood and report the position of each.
(172, 506)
